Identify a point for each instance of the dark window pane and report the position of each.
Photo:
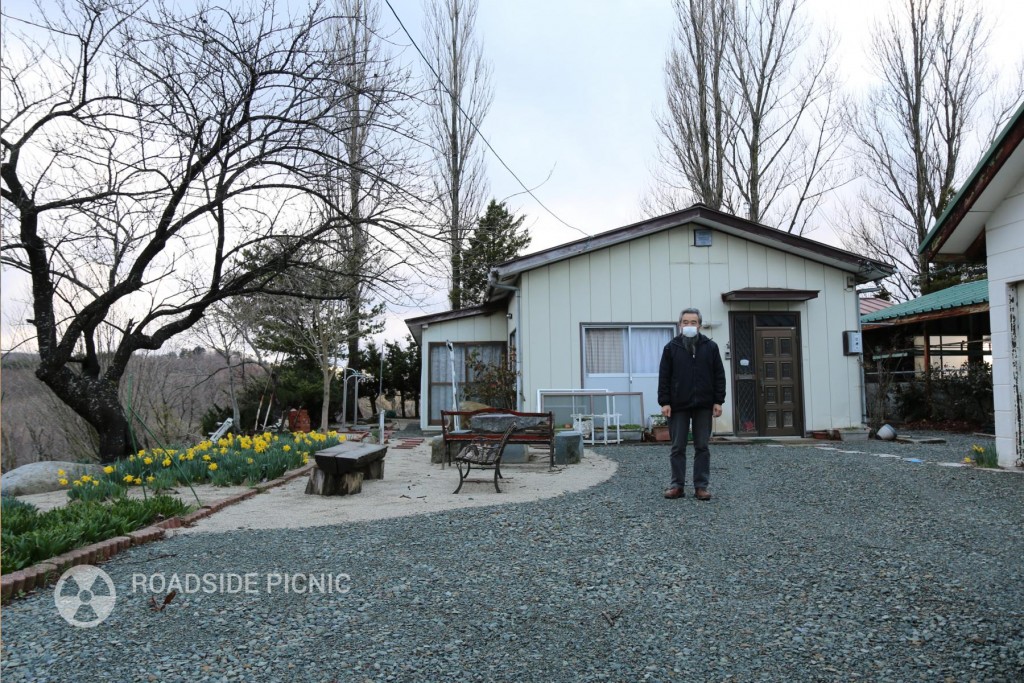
(743, 344)
(769, 370)
(769, 346)
(787, 370)
(787, 418)
(771, 395)
(787, 394)
(785, 346)
(773, 420)
(776, 319)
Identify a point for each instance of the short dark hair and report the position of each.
(700, 318)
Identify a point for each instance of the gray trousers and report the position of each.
(681, 422)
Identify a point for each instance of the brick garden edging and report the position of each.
(48, 571)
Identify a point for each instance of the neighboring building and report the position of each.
(984, 222)
(942, 331)
(870, 304)
(595, 314)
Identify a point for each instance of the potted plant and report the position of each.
(854, 433)
(659, 427)
(631, 432)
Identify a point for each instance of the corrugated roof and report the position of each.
(949, 298)
(870, 304)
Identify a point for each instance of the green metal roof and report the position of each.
(952, 297)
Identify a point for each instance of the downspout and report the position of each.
(520, 341)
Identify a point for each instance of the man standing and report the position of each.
(691, 391)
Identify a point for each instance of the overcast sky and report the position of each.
(576, 83)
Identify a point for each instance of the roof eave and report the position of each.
(959, 208)
(864, 269)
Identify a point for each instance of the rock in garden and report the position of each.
(41, 477)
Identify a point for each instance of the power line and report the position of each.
(475, 127)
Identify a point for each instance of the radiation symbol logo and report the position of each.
(85, 596)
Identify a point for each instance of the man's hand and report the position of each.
(717, 410)
(666, 411)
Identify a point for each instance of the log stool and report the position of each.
(340, 470)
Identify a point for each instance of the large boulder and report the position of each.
(497, 423)
(41, 477)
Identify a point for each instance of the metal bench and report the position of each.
(485, 454)
(533, 429)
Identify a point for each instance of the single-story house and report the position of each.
(984, 222)
(592, 316)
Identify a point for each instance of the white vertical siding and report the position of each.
(1004, 242)
(650, 279)
(477, 328)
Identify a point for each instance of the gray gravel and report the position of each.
(807, 565)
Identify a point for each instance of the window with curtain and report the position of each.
(440, 373)
(645, 347)
(605, 350)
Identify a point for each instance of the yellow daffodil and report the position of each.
(62, 482)
(151, 479)
(77, 483)
(95, 482)
(147, 461)
(213, 467)
(61, 473)
(128, 478)
(86, 478)
(249, 460)
(108, 470)
(137, 481)
(167, 462)
(286, 448)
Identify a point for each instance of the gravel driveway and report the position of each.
(808, 565)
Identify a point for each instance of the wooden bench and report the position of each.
(485, 454)
(340, 470)
(531, 428)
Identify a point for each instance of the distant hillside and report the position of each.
(171, 392)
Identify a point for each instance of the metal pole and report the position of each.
(344, 398)
(455, 388)
(355, 409)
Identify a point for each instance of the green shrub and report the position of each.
(30, 536)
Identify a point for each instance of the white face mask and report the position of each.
(689, 331)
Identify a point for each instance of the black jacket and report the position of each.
(688, 380)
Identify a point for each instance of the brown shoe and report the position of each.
(702, 494)
(675, 493)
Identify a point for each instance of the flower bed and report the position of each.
(30, 536)
(233, 460)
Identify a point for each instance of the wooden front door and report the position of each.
(779, 401)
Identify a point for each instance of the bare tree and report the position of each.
(911, 130)
(459, 96)
(754, 120)
(317, 329)
(156, 162)
(698, 124)
(369, 126)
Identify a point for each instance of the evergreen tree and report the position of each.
(498, 237)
